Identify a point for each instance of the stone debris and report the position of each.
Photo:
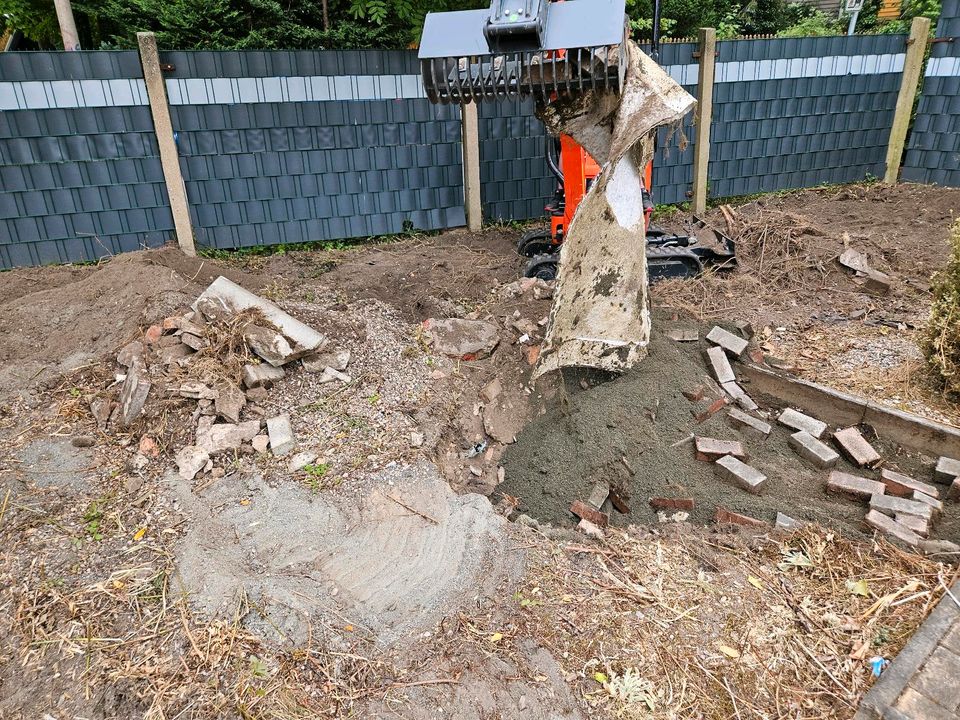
(301, 460)
(918, 524)
(191, 460)
(663, 503)
(599, 495)
(331, 375)
(798, 421)
(720, 365)
(318, 362)
(152, 334)
(740, 474)
(585, 512)
(590, 529)
(194, 342)
(229, 402)
(269, 344)
(742, 421)
(939, 547)
(195, 390)
(491, 391)
(812, 450)
(855, 447)
(416, 439)
(710, 449)
(739, 395)
(732, 344)
(682, 335)
(261, 375)
(892, 505)
(947, 469)
(462, 339)
(173, 354)
(953, 493)
(222, 437)
(859, 487)
(904, 486)
(888, 526)
(281, 435)
(722, 516)
(261, 443)
(101, 409)
(130, 353)
(787, 523)
(133, 394)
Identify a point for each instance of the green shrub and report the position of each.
(941, 337)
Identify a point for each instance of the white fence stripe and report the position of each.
(49, 94)
(943, 67)
(227, 91)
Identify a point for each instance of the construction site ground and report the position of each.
(383, 578)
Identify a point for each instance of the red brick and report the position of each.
(533, 354)
(585, 512)
(153, 333)
(905, 486)
(855, 447)
(715, 407)
(663, 503)
(887, 525)
(954, 492)
(695, 395)
(711, 449)
(848, 484)
(726, 517)
(619, 502)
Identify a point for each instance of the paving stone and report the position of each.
(888, 526)
(722, 516)
(951, 640)
(940, 547)
(855, 447)
(947, 469)
(740, 474)
(905, 486)
(931, 501)
(720, 365)
(939, 679)
(785, 522)
(920, 526)
(281, 434)
(585, 512)
(682, 335)
(812, 450)
(891, 505)
(727, 340)
(854, 485)
(710, 449)
(663, 503)
(742, 421)
(739, 395)
(916, 706)
(798, 421)
(261, 375)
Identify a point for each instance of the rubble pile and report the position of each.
(225, 354)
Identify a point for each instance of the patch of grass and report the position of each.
(941, 336)
(93, 520)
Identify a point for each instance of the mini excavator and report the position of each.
(549, 49)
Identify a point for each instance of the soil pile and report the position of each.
(629, 432)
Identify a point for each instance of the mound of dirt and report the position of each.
(630, 433)
(53, 320)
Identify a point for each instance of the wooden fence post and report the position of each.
(703, 116)
(471, 165)
(912, 65)
(163, 127)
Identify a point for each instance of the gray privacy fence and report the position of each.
(280, 147)
(933, 154)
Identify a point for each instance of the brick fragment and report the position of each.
(953, 493)
(590, 530)
(696, 394)
(153, 333)
(854, 485)
(598, 496)
(740, 474)
(727, 340)
(710, 449)
(585, 512)
(812, 450)
(742, 421)
(739, 396)
(920, 526)
(619, 501)
(905, 486)
(720, 365)
(744, 328)
(798, 421)
(785, 522)
(682, 335)
(855, 447)
(927, 500)
(888, 526)
(663, 503)
(947, 469)
(726, 517)
(890, 505)
(715, 407)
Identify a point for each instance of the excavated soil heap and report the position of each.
(594, 434)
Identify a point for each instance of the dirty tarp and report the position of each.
(600, 316)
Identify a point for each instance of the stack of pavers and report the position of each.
(899, 506)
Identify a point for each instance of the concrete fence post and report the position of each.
(471, 165)
(163, 127)
(703, 117)
(912, 65)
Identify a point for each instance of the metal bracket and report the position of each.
(697, 54)
(167, 67)
(943, 39)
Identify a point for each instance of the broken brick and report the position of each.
(695, 395)
(663, 503)
(859, 487)
(726, 517)
(533, 354)
(153, 333)
(585, 512)
(855, 447)
(710, 449)
(619, 502)
(715, 407)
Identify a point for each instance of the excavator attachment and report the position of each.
(524, 48)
